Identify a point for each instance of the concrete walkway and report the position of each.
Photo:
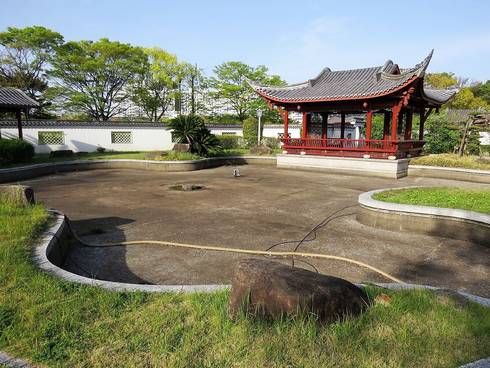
(262, 207)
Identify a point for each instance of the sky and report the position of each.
(295, 39)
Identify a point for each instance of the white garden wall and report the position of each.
(88, 138)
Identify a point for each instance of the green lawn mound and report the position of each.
(453, 160)
(52, 322)
(477, 200)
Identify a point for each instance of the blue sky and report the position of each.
(295, 39)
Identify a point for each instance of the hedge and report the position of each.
(229, 141)
(15, 150)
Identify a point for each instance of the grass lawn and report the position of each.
(453, 160)
(466, 199)
(171, 156)
(56, 323)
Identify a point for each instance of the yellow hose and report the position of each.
(241, 251)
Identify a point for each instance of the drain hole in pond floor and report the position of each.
(186, 187)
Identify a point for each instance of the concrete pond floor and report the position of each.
(264, 206)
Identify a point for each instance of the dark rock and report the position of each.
(260, 150)
(181, 147)
(19, 194)
(272, 289)
(81, 153)
(61, 153)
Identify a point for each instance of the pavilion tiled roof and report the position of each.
(15, 98)
(353, 84)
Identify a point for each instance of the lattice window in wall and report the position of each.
(50, 137)
(121, 137)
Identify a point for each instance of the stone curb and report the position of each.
(454, 169)
(451, 173)
(51, 237)
(366, 200)
(31, 171)
(482, 363)
(13, 362)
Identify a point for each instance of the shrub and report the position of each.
(15, 150)
(250, 127)
(190, 129)
(270, 142)
(229, 141)
(441, 135)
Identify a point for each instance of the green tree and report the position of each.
(95, 77)
(441, 135)
(24, 58)
(190, 129)
(196, 84)
(465, 99)
(441, 80)
(156, 86)
(482, 90)
(250, 131)
(229, 84)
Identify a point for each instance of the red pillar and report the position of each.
(324, 125)
(369, 124)
(285, 118)
(386, 126)
(394, 122)
(408, 124)
(342, 125)
(422, 122)
(304, 130)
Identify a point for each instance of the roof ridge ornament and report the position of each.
(313, 81)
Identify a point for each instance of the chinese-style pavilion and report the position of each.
(389, 90)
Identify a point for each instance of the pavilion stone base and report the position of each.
(346, 165)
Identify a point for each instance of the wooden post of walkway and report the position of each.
(19, 123)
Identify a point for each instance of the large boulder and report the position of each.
(22, 195)
(260, 150)
(181, 147)
(273, 289)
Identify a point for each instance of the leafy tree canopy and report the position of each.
(94, 77)
(465, 99)
(229, 84)
(482, 90)
(24, 58)
(156, 85)
(441, 80)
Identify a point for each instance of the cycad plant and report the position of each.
(191, 129)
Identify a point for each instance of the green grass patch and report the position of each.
(453, 160)
(139, 155)
(477, 200)
(60, 324)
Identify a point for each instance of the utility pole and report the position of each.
(259, 115)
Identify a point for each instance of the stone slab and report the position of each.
(347, 165)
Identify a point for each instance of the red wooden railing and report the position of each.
(350, 146)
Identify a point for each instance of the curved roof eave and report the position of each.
(406, 77)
